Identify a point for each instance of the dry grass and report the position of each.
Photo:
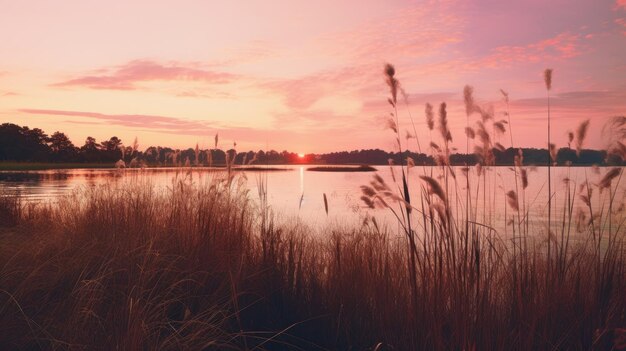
(205, 266)
(195, 267)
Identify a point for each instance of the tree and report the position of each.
(90, 145)
(23, 144)
(11, 140)
(112, 149)
(62, 148)
(90, 152)
(112, 144)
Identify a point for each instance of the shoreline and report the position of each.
(313, 167)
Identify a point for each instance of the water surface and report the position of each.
(296, 192)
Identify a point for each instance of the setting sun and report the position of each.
(301, 155)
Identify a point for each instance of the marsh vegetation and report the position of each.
(208, 265)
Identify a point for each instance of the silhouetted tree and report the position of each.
(111, 150)
(62, 149)
(23, 144)
(33, 145)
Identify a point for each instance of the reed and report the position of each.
(204, 264)
(547, 78)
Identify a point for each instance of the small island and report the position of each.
(361, 168)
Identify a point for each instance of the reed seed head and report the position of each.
(468, 98)
(524, 176)
(511, 198)
(608, 177)
(547, 78)
(443, 122)
(435, 187)
(499, 127)
(392, 82)
(581, 133)
(505, 95)
(430, 116)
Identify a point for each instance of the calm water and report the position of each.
(287, 188)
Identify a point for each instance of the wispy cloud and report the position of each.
(412, 31)
(562, 46)
(301, 93)
(247, 137)
(127, 76)
(211, 95)
(157, 123)
(622, 23)
(577, 101)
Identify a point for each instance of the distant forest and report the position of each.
(22, 144)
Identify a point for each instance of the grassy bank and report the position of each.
(201, 266)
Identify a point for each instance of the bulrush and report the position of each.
(524, 177)
(443, 123)
(468, 100)
(430, 116)
(547, 78)
(435, 187)
(499, 127)
(392, 82)
(570, 138)
(511, 197)
(614, 135)
(605, 182)
(581, 133)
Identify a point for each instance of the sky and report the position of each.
(306, 76)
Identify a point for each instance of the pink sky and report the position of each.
(304, 76)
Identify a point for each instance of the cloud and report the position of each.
(561, 46)
(9, 93)
(325, 129)
(579, 101)
(408, 32)
(162, 124)
(621, 22)
(303, 92)
(157, 123)
(620, 4)
(416, 101)
(92, 123)
(317, 120)
(215, 95)
(246, 137)
(127, 76)
(358, 54)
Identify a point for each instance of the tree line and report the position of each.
(22, 144)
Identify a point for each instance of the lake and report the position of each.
(296, 192)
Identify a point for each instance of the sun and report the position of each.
(300, 155)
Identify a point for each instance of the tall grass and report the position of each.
(198, 266)
(207, 265)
